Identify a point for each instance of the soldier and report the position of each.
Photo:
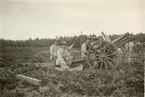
(64, 58)
(85, 47)
(131, 45)
(53, 51)
(95, 43)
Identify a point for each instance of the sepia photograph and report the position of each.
(72, 48)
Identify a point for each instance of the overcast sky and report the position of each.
(22, 19)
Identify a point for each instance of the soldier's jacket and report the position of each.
(53, 51)
(95, 44)
(62, 53)
(84, 49)
(129, 46)
(63, 57)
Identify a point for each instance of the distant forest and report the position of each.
(46, 42)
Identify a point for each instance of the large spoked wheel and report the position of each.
(106, 56)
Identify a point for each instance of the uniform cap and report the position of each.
(64, 43)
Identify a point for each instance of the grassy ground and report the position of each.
(86, 83)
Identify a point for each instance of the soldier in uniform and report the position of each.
(95, 43)
(53, 51)
(85, 47)
(64, 58)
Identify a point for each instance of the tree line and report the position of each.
(45, 42)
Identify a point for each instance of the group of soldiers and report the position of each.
(61, 53)
(132, 46)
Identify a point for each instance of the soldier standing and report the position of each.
(53, 51)
(85, 47)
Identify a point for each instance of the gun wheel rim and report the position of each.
(105, 57)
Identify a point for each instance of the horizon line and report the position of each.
(65, 36)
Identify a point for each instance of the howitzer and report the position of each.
(106, 56)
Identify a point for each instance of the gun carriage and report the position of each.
(107, 55)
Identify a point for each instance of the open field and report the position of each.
(85, 83)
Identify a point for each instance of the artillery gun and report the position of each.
(107, 54)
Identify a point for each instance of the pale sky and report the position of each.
(22, 19)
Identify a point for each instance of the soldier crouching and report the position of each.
(64, 58)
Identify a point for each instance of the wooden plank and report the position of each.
(29, 80)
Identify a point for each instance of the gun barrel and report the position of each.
(121, 40)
